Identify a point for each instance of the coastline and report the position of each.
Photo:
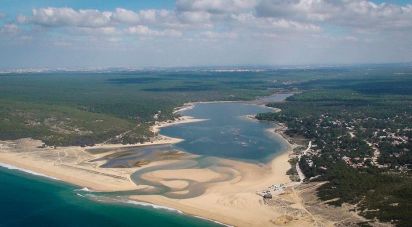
(234, 201)
(180, 120)
(249, 179)
(89, 176)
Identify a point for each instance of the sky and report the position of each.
(184, 33)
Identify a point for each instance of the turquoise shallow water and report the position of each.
(27, 200)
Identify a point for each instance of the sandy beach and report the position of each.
(230, 192)
(69, 165)
(72, 164)
(180, 120)
(234, 202)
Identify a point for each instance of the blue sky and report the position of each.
(93, 33)
(401, 2)
(13, 6)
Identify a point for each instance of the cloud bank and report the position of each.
(233, 31)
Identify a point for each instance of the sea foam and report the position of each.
(85, 189)
(11, 167)
(78, 194)
(153, 206)
(217, 222)
(7, 166)
(174, 210)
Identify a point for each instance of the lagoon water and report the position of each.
(227, 132)
(27, 200)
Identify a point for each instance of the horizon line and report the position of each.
(200, 67)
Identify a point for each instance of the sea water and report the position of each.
(30, 200)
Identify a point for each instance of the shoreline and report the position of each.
(96, 179)
(224, 203)
(180, 120)
(233, 201)
(106, 183)
(27, 171)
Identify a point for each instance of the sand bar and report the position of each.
(234, 201)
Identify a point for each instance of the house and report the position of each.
(267, 196)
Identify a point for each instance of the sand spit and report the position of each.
(227, 200)
(227, 192)
(235, 201)
(180, 120)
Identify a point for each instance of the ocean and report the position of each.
(33, 200)
(29, 200)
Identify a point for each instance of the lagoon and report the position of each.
(27, 200)
(227, 132)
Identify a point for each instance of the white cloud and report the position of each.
(148, 16)
(285, 15)
(195, 17)
(215, 6)
(270, 24)
(109, 31)
(292, 28)
(9, 29)
(70, 17)
(142, 30)
(126, 16)
(356, 14)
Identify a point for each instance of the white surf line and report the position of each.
(145, 204)
(173, 210)
(217, 222)
(11, 167)
(154, 206)
(80, 195)
(85, 189)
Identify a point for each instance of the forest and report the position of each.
(85, 108)
(361, 135)
(358, 118)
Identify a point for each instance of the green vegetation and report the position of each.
(293, 174)
(38, 105)
(88, 108)
(62, 125)
(361, 135)
(359, 119)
